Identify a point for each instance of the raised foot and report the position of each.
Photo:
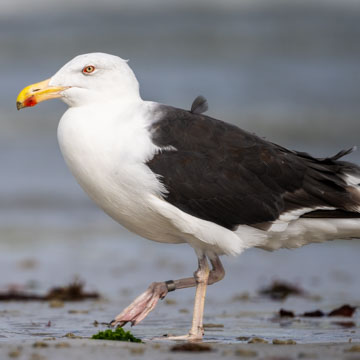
(142, 305)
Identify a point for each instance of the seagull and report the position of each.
(178, 176)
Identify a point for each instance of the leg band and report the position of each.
(170, 284)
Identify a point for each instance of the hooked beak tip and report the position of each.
(19, 105)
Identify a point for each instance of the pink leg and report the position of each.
(147, 301)
(201, 277)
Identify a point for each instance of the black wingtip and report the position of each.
(343, 153)
(199, 105)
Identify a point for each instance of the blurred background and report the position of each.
(287, 70)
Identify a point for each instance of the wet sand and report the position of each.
(98, 349)
(120, 266)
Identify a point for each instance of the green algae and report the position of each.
(118, 334)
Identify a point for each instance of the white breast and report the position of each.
(106, 153)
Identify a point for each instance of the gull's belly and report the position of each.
(121, 195)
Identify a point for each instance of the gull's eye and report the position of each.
(88, 69)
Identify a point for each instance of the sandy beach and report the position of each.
(91, 349)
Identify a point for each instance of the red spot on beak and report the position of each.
(31, 101)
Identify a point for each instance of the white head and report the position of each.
(86, 79)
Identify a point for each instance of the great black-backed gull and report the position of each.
(178, 176)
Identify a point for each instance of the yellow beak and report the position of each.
(33, 94)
